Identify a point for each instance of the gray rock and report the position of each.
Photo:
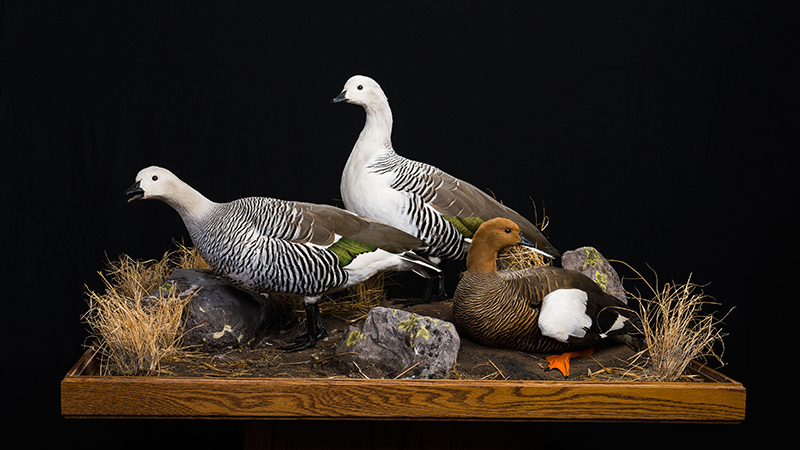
(591, 263)
(219, 314)
(395, 340)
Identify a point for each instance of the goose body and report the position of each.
(269, 245)
(415, 197)
(542, 309)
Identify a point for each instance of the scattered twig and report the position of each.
(360, 371)
(497, 369)
(406, 371)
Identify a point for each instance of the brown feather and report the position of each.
(319, 224)
(456, 198)
(501, 309)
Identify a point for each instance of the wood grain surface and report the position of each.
(92, 396)
(85, 394)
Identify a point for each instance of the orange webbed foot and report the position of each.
(561, 362)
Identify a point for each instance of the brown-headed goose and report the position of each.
(541, 309)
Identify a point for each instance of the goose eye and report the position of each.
(155, 177)
(360, 87)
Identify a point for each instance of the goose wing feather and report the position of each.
(320, 224)
(537, 282)
(453, 197)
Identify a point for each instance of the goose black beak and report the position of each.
(525, 242)
(340, 98)
(134, 192)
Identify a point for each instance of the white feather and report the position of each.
(563, 314)
(618, 324)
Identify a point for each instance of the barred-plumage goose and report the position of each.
(268, 245)
(416, 197)
(541, 309)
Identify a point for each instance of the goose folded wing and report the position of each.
(455, 198)
(537, 282)
(608, 314)
(320, 224)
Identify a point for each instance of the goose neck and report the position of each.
(482, 258)
(378, 126)
(190, 204)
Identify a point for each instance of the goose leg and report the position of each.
(434, 291)
(315, 329)
(561, 362)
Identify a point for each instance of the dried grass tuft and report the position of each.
(676, 332)
(519, 257)
(138, 331)
(353, 304)
(186, 257)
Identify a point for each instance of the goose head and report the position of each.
(491, 237)
(161, 184)
(361, 90)
(153, 183)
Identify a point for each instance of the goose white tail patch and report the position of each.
(563, 314)
(618, 325)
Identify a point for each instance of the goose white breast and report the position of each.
(416, 197)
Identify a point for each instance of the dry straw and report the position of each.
(138, 331)
(519, 257)
(356, 302)
(676, 332)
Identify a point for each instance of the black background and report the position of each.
(662, 133)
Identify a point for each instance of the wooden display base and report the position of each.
(84, 394)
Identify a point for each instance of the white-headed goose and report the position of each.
(415, 197)
(268, 245)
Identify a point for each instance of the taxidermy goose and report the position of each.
(542, 309)
(268, 245)
(415, 197)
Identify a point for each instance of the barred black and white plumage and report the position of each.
(416, 197)
(269, 245)
(540, 309)
(258, 253)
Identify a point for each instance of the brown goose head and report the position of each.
(491, 237)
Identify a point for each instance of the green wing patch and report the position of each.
(465, 225)
(347, 249)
